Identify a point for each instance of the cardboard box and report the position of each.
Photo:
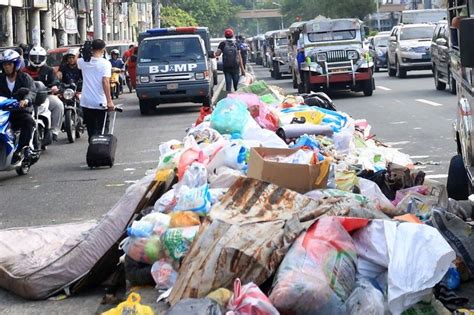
(298, 177)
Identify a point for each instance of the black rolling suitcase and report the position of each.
(101, 150)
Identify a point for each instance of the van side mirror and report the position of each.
(466, 44)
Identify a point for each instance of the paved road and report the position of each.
(406, 113)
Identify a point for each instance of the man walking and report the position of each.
(96, 99)
(231, 60)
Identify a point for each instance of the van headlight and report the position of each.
(352, 55)
(144, 79)
(322, 57)
(199, 76)
(68, 94)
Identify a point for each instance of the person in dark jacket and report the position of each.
(11, 80)
(40, 71)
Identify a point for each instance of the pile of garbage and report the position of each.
(285, 205)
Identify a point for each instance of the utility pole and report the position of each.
(97, 12)
(378, 15)
(156, 13)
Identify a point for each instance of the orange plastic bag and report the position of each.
(184, 219)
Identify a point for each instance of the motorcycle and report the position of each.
(42, 115)
(115, 84)
(9, 138)
(73, 123)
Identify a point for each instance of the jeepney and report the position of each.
(257, 49)
(461, 170)
(267, 59)
(294, 35)
(278, 44)
(335, 56)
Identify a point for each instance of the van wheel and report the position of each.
(145, 107)
(276, 70)
(458, 185)
(391, 72)
(440, 86)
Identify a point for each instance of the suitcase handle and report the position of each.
(105, 122)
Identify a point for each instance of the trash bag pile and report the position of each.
(285, 205)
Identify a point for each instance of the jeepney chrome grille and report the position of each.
(173, 77)
(336, 56)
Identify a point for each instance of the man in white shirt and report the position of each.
(96, 98)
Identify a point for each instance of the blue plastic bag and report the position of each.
(230, 116)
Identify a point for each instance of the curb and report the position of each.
(217, 92)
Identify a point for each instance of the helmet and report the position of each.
(71, 52)
(37, 56)
(228, 33)
(11, 55)
(115, 51)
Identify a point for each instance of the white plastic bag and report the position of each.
(166, 203)
(365, 300)
(371, 190)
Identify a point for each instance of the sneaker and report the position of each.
(17, 157)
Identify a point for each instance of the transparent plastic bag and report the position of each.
(164, 274)
(178, 241)
(190, 154)
(365, 300)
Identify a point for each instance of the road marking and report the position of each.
(397, 143)
(419, 156)
(398, 122)
(130, 163)
(417, 128)
(437, 176)
(383, 88)
(428, 102)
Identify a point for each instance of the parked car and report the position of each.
(378, 50)
(440, 58)
(409, 49)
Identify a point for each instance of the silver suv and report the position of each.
(409, 49)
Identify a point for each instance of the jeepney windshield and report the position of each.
(283, 41)
(332, 36)
(422, 32)
(171, 49)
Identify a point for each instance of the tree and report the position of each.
(215, 14)
(309, 9)
(172, 16)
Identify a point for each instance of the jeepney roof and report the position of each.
(281, 33)
(326, 25)
(270, 33)
(297, 25)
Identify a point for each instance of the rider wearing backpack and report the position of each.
(231, 60)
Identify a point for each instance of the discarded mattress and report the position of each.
(37, 262)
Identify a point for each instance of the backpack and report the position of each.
(229, 56)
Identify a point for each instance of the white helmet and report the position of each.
(38, 56)
(115, 51)
(11, 55)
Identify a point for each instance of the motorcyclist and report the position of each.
(117, 62)
(69, 72)
(40, 71)
(11, 80)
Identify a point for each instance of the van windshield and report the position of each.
(381, 41)
(171, 49)
(332, 36)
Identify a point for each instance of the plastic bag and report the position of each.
(365, 300)
(195, 307)
(131, 306)
(346, 180)
(230, 116)
(144, 250)
(166, 203)
(249, 300)
(400, 194)
(203, 113)
(370, 189)
(190, 154)
(258, 110)
(259, 88)
(232, 155)
(163, 274)
(221, 296)
(178, 241)
(194, 199)
(170, 153)
(318, 273)
(184, 219)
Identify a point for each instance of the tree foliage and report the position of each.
(172, 16)
(215, 14)
(309, 9)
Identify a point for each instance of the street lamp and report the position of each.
(279, 5)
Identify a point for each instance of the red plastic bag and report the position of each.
(249, 300)
(205, 111)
